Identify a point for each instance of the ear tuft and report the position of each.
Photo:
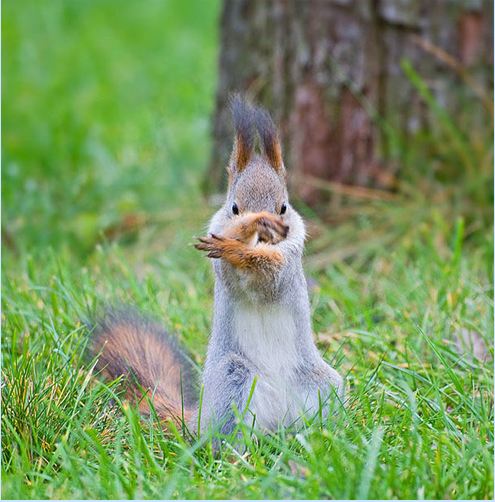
(269, 138)
(243, 119)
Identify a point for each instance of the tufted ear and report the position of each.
(269, 139)
(243, 119)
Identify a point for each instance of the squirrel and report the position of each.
(261, 357)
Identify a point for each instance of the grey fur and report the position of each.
(277, 302)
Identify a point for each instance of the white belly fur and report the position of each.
(267, 336)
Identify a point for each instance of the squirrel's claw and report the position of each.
(217, 237)
(210, 244)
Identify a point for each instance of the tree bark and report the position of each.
(330, 72)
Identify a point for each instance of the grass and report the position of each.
(106, 142)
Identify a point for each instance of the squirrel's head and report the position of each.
(257, 181)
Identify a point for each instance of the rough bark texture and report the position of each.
(327, 69)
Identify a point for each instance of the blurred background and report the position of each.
(115, 119)
(105, 118)
(115, 136)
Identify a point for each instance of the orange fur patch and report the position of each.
(143, 357)
(274, 154)
(242, 153)
(263, 258)
(268, 226)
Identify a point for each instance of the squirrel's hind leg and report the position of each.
(227, 386)
(319, 387)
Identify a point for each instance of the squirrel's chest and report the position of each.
(266, 335)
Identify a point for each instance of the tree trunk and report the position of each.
(330, 71)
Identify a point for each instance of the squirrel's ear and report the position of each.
(242, 116)
(269, 139)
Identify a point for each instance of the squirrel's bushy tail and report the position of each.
(129, 344)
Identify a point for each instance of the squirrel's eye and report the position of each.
(235, 209)
(283, 209)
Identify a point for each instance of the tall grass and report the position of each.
(417, 420)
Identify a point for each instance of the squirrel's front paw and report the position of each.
(271, 229)
(214, 245)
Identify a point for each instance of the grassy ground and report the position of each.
(104, 146)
